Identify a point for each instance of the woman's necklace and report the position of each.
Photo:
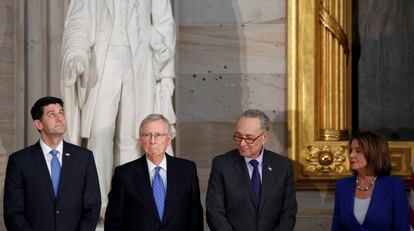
(360, 188)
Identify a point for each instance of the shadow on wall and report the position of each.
(210, 94)
(3, 164)
(7, 91)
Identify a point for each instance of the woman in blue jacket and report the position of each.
(371, 199)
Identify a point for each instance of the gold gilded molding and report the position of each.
(335, 28)
(333, 134)
(319, 96)
(326, 159)
(333, 73)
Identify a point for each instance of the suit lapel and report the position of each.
(41, 165)
(348, 200)
(142, 181)
(68, 164)
(378, 196)
(241, 170)
(173, 184)
(266, 178)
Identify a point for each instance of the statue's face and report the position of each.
(154, 139)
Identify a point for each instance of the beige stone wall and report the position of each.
(232, 57)
(7, 89)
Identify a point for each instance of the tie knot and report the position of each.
(254, 163)
(54, 152)
(157, 169)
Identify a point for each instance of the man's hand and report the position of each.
(167, 86)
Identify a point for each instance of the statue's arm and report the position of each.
(163, 38)
(78, 38)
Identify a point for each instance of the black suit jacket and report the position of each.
(230, 202)
(29, 200)
(132, 207)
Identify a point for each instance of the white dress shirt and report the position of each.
(163, 171)
(361, 209)
(260, 166)
(48, 157)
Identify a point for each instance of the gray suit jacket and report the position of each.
(230, 202)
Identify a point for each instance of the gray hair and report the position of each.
(154, 117)
(255, 113)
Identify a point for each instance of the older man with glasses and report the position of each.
(156, 191)
(251, 188)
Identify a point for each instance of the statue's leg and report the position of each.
(126, 147)
(104, 121)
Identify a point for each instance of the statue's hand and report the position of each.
(167, 86)
(75, 68)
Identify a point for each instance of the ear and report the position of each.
(265, 137)
(169, 139)
(38, 125)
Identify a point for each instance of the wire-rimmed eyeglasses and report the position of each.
(157, 136)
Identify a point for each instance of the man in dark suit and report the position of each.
(251, 188)
(51, 185)
(156, 191)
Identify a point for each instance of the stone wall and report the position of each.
(7, 88)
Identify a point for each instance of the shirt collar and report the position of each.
(46, 149)
(151, 165)
(259, 158)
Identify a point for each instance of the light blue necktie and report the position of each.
(55, 169)
(158, 191)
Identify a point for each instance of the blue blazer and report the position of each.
(388, 208)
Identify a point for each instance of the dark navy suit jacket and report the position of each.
(388, 208)
(231, 204)
(132, 207)
(29, 200)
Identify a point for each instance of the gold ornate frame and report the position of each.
(319, 94)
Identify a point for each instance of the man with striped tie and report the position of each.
(51, 185)
(156, 191)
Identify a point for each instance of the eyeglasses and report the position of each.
(157, 136)
(249, 140)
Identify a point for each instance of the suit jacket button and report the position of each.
(57, 211)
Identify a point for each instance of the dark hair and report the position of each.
(37, 109)
(376, 152)
(255, 113)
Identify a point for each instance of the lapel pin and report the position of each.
(67, 154)
(270, 169)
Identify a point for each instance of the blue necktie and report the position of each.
(256, 182)
(158, 191)
(55, 169)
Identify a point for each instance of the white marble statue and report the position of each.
(117, 67)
